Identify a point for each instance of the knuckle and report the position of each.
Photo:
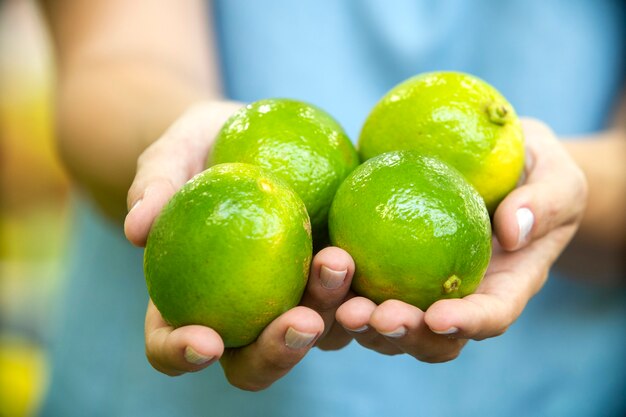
(497, 331)
(243, 384)
(280, 363)
(322, 305)
(249, 386)
(551, 218)
(331, 345)
(446, 352)
(134, 193)
(501, 331)
(146, 155)
(380, 345)
(321, 302)
(440, 357)
(240, 380)
(391, 304)
(494, 320)
(387, 351)
(163, 369)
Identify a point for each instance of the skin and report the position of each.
(156, 126)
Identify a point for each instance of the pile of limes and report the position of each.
(232, 249)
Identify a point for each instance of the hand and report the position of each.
(161, 170)
(533, 224)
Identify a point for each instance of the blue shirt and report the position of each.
(560, 61)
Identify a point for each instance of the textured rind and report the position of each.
(295, 140)
(447, 115)
(231, 251)
(411, 222)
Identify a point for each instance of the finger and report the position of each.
(403, 326)
(176, 351)
(147, 206)
(511, 280)
(354, 315)
(335, 338)
(169, 162)
(477, 316)
(162, 169)
(329, 281)
(553, 194)
(282, 344)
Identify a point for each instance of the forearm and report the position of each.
(107, 115)
(126, 71)
(597, 251)
(603, 160)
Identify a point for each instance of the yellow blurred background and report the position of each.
(33, 207)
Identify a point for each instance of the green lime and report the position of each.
(298, 142)
(456, 117)
(417, 230)
(231, 251)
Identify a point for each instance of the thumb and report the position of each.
(553, 195)
(147, 198)
(169, 162)
(161, 170)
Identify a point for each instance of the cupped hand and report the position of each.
(162, 169)
(532, 226)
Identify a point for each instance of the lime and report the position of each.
(298, 142)
(417, 230)
(231, 251)
(456, 117)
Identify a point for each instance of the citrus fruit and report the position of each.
(297, 141)
(456, 117)
(231, 251)
(417, 230)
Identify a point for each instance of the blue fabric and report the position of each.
(561, 61)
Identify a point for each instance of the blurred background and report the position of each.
(33, 207)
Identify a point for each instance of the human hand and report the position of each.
(161, 170)
(533, 225)
(281, 345)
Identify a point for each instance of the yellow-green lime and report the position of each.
(417, 230)
(456, 117)
(298, 142)
(231, 251)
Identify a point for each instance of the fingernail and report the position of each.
(399, 332)
(297, 340)
(332, 279)
(525, 220)
(196, 358)
(361, 329)
(137, 203)
(450, 330)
